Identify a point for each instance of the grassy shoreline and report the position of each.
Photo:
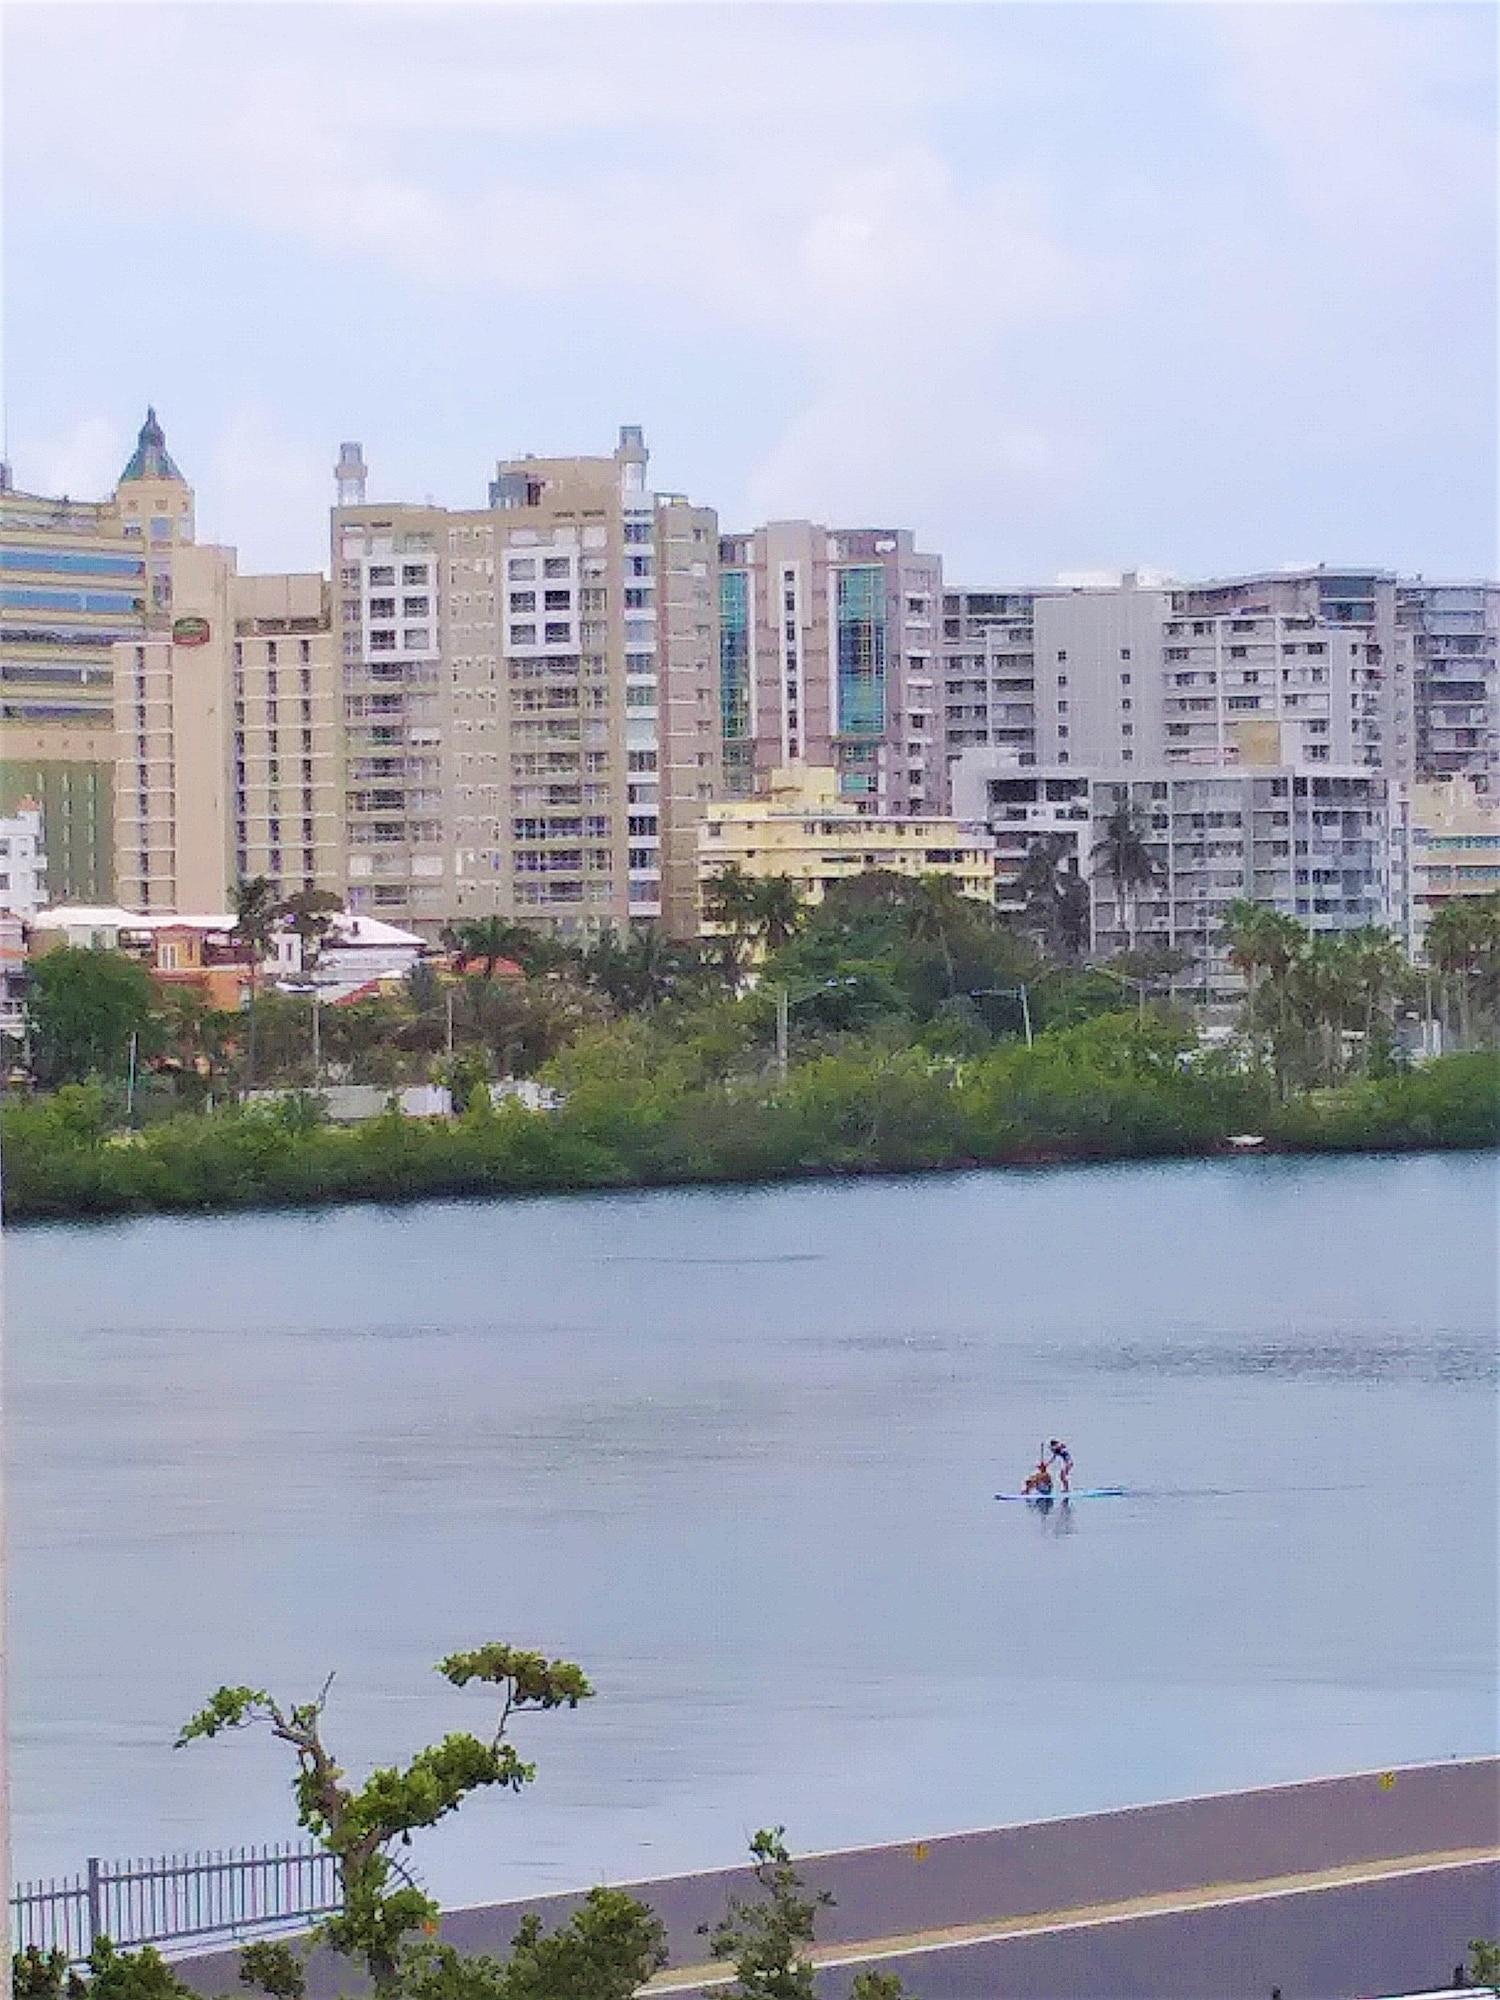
(1096, 1094)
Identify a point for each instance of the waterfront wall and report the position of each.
(1058, 1865)
(1399, 1934)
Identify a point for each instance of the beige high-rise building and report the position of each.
(79, 575)
(227, 753)
(530, 697)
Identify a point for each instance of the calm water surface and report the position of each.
(735, 1452)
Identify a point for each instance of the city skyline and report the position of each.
(1011, 334)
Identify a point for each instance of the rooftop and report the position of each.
(150, 459)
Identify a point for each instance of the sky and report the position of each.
(1060, 287)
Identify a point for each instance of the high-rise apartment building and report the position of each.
(1318, 667)
(989, 671)
(530, 708)
(831, 656)
(1312, 843)
(227, 741)
(1447, 652)
(78, 576)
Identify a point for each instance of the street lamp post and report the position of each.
(1008, 993)
(785, 1001)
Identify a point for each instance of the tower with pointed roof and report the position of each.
(155, 505)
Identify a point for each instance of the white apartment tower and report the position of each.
(529, 695)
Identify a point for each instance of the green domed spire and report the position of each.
(150, 459)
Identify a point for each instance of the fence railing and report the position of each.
(238, 1891)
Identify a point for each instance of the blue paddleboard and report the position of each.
(1078, 1493)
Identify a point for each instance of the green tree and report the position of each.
(1047, 883)
(1484, 1962)
(730, 904)
(1462, 944)
(254, 926)
(1264, 946)
(84, 1006)
(488, 942)
(308, 913)
(642, 970)
(776, 910)
(1123, 854)
(361, 1826)
(606, 1951)
(768, 1940)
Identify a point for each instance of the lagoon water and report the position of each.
(735, 1452)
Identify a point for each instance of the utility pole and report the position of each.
(130, 1080)
(448, 1004)
(317, 1039)
(783, 1016)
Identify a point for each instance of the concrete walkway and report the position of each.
(886, 1952)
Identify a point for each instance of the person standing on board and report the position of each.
(1056, 1449)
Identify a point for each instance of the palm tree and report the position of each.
(1057, 904)
(776, 910)
(729, 905)
(488, 942)
(641, 971)
(1377, 964)
(1123, 854)
(939, 912)
(1463, 947)
(1264, 942)
(254, 925)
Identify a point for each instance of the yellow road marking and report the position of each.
(689, 1977)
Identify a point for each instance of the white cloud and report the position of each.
(261, 489)
(83, 462)
(1379, 118)
(975, 315)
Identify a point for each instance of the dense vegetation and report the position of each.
(904, 1005)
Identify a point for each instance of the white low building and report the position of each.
(23, 864)
(355, 951)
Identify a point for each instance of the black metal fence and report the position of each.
(239, 1891)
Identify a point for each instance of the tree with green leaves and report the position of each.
(360, 1826)
(730, 906)
(490, 942)
(643, 969)
(1462, 944)
(768, 1939)
(1264, 945)
(254, 927)
(776, 910)
(607, 1950)
(84, 1006)
(1123, 854)
(308, 914)
(1055, 897)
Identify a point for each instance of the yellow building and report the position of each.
(805, 831)
(228, 745)
(1455, 845)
